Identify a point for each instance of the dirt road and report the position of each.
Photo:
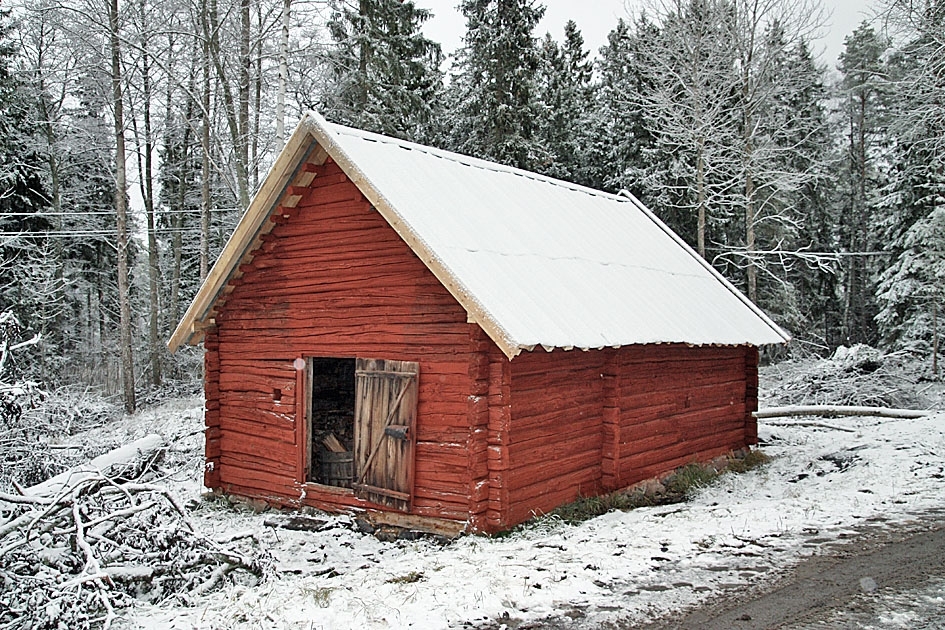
(885, 577)
(890, 580)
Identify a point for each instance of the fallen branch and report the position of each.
(818, 425)
(133, 455)
(30, 500)
(835, 411)
(218, 574)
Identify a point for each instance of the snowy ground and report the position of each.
(828, 479)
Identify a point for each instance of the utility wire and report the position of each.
(14, 235)
(44, 215)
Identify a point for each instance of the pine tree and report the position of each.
(385, 72)
(494, 93)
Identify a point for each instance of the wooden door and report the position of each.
(384, 431)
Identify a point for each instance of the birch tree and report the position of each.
(121, 208)
(145, 140)
(691, 69)
(764, 31)
(718, 83)
(283, 73)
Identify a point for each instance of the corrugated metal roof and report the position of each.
(535, 261)
(552, 263)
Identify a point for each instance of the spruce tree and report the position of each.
(621, 154)
(25, 271)
(566, 98)
(385, 73)
(494, 92)
(911, 288)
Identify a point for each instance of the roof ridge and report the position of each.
(472, 161)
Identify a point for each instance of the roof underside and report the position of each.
(536, 261)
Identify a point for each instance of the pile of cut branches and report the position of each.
(86, 544)
(859, 376)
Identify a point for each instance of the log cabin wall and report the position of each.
(333, 279)
(680, 404)
(583, 423)
(556, 435)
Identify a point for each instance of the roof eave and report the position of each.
(777, 330)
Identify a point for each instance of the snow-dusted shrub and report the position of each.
(70, 410)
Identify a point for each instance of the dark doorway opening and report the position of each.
(331, 421)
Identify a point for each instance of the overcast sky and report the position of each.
(596, 18)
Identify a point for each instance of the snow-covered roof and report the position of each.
(535, 261)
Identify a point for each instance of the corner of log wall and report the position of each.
(500, 419)
(610, 421)
(478, 440)
(751, 395)
(211, 412)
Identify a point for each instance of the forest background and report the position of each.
(822, 199)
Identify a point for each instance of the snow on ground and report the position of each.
(919, 609)
(828, 480)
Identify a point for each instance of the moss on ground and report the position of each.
(676, 487)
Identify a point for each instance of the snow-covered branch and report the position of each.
(834, 411)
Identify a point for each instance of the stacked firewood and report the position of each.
(78, 547)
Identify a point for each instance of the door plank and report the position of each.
(386, 395)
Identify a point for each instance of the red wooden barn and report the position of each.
(456, 343)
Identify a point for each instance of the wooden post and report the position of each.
(302, 385)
